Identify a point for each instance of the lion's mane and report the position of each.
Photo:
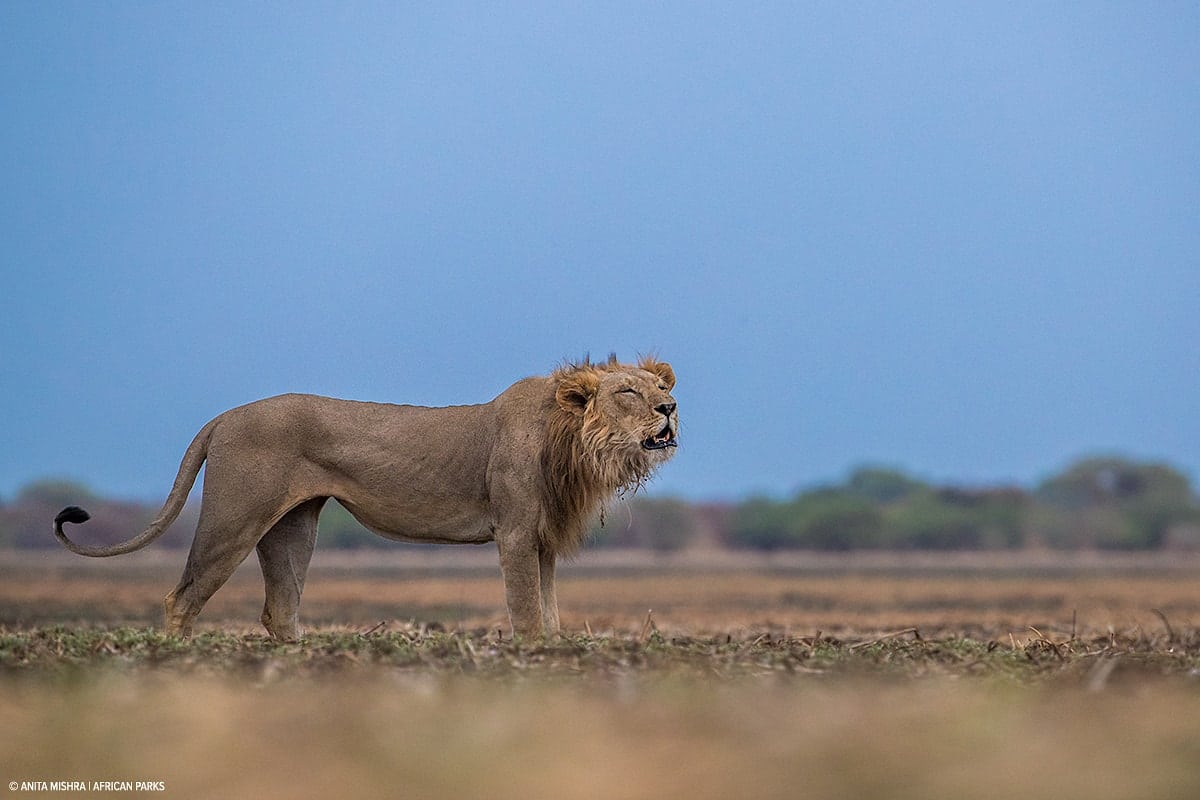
(587, 457)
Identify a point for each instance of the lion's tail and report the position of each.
(188, 470)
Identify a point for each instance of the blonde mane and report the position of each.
(586, 458)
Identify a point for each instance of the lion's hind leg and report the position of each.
(284, 554)
(224, 537)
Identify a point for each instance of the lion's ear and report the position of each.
(576, 389)
(660, 368)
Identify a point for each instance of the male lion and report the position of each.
(526, 470)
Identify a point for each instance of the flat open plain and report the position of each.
(700, 675)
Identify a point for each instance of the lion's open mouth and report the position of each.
(664, 438)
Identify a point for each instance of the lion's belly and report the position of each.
(465, 525)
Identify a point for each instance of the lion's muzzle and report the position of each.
(663, 439)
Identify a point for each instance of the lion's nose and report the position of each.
(666, 409)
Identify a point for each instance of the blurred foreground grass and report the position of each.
(412, 735)
(412, 712)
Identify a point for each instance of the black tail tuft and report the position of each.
(72, 514)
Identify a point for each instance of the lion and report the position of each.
(527, 470)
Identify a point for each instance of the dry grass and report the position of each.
(430, 735)
(984, 597)
(831, 679)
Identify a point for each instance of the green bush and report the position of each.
(826, 519)
(762, 524)
(1117, 504)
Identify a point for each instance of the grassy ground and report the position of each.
(864, 680)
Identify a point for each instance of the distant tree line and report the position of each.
(1096, 503)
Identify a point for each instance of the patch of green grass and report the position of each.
(61, 650)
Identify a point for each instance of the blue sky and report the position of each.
(960, 239)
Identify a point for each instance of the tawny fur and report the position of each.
(527, 470)
(589, 456)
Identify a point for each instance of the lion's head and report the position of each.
(612, 426)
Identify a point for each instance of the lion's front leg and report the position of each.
(546, 559)
(522, 583)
